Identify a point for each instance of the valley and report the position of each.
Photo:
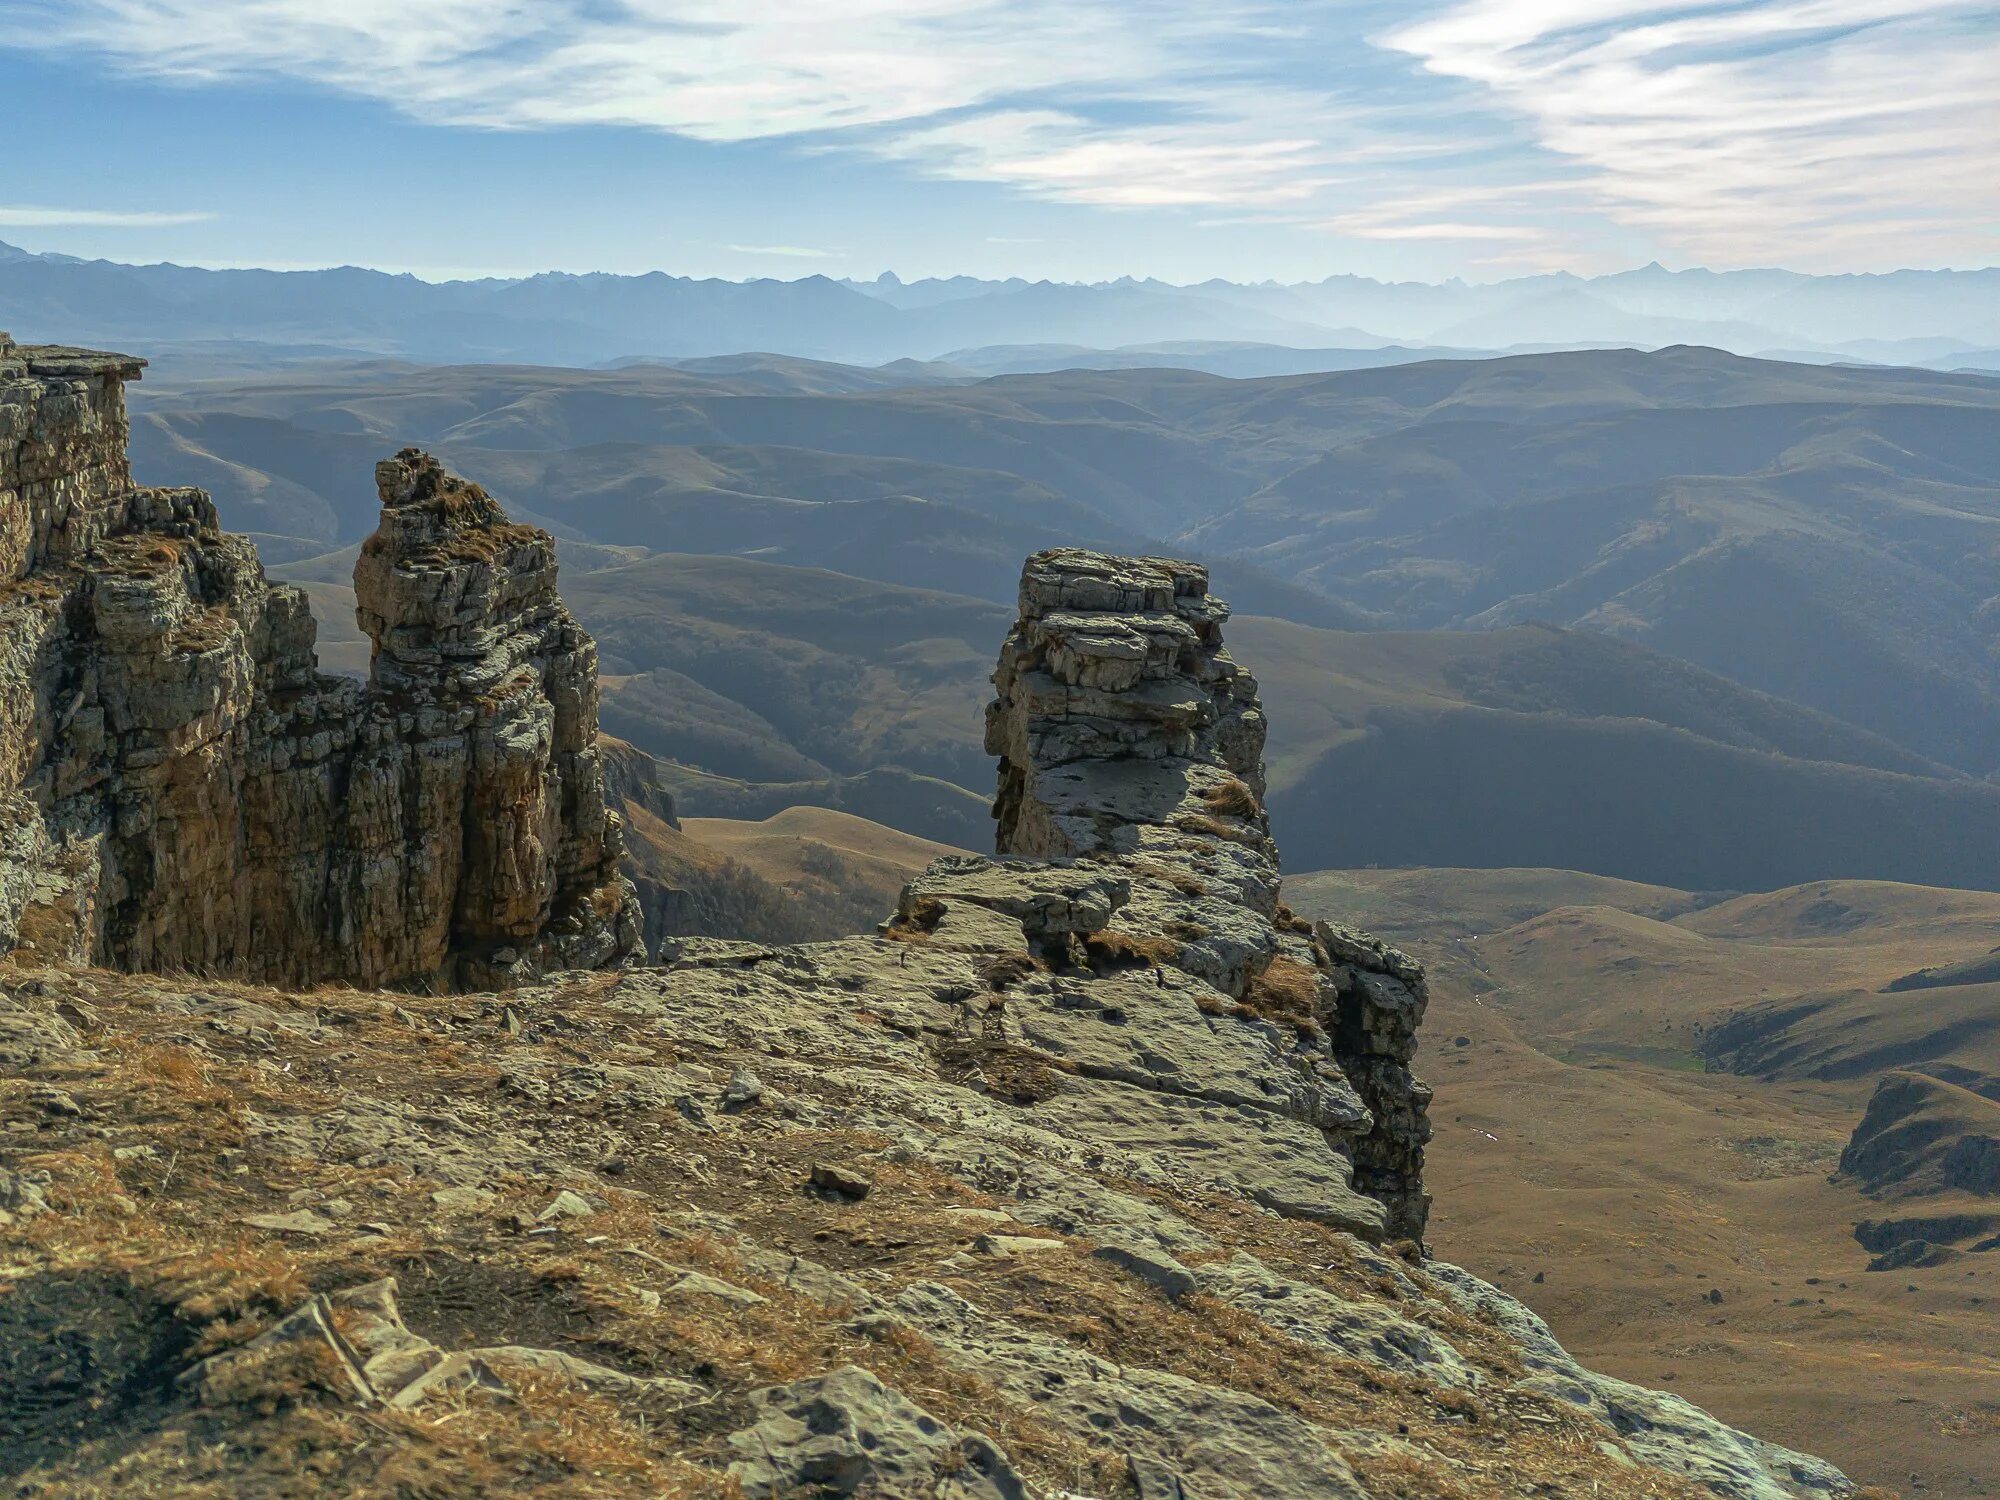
(1681, 617)
(1674, 1202)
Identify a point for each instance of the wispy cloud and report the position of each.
(796, 252)
(1102, 101)
(1838, 131)
(32, 216)
(1804, 130)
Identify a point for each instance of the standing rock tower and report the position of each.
(1128, 737)
(182, 789)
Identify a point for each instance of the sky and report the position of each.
(1069, 139)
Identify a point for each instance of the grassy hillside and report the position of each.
(1828, 534)
(1701, 1228)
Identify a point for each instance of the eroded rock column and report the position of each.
(182, 789)
(479, 802)
(1129, 741)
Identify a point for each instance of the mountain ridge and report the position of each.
(567, 317)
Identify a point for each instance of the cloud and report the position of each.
(1052, 154)
(1144, 102)
(1438, 230)
(1844, 132)
(801, 252)
(28, 216)
(1838, 131)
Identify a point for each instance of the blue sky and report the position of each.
(1075, 139)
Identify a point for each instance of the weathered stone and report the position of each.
(566, 1205)
(1130, 749)
(359, 1333)
(846, 1433)
(840, 1181)
(181, 788)
(1150, 1264)
(701, 1284)
(1219, 1441)
(299, 1221)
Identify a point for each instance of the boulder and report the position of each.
(846, 1433)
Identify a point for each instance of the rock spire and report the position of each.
(1128, 739)
(182, 789)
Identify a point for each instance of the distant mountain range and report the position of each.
(1940, 319)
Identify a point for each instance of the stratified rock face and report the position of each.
(1129, 739)
(180, 787)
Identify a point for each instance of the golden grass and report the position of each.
(1233, 799)
(1112, 949)
(1215, 828)
(1009, 968)
(1286, 992)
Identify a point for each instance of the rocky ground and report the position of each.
(730, 1227)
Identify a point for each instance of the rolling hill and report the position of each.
(1709, 1230)
(1780, 580)
(771, 685)
(1826, 534)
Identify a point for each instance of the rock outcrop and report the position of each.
(1129, 740)
(182, 789)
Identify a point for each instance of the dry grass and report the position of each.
(1018, 1075)
(916, 926)
(1111, 949)
(47, 930)
(1009, 968)
(1215, 828)
(1287, 920)
(1233, 799)
(1287, 992)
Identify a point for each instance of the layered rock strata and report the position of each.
(1128, 739)
(182, 789)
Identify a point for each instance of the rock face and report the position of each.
(182, 789)
(1130, 741)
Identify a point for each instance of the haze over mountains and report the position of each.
(1944, 319)
(1680, 617)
